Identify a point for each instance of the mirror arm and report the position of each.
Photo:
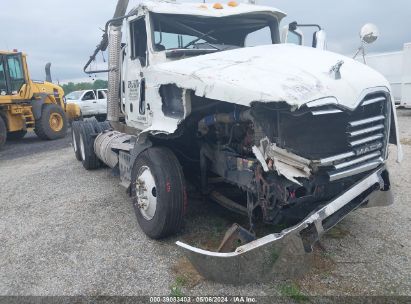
(293, 26)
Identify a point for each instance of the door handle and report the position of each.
(94, 101)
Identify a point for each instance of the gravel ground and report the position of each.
(67, 231)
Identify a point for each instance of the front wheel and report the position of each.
(3, 132)
(158, 191)
(52, 123)
(16, 135)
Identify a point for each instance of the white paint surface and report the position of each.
(282, 72)
(206, 9)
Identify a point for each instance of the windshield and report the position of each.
(198, 34)
(74, 95)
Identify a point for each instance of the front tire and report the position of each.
(16, 135)
(3, 132)
(158, 191)
(52, 123)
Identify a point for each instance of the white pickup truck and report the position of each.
(91, 102)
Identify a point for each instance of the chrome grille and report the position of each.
(366, 138)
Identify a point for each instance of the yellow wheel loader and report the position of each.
(27, 105)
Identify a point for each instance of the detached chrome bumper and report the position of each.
(285, 254)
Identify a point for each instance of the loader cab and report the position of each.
(13, 75)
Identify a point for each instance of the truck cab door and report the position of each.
(134, 67)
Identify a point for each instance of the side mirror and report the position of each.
(292, 27)
(320, 40)
(293, 34)
(369, 33)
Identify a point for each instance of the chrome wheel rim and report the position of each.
(56, 122)
(82, 150)
(146, 192)
(74, 141)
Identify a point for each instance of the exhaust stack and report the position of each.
(48, 72)
(114, 48)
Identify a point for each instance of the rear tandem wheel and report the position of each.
(86, 146)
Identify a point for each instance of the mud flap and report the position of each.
(285, 254)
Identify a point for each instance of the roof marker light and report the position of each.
(232, 3)
(218, 6)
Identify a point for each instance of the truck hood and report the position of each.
(283, 72)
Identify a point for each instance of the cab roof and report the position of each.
(10, 53)
(206, 9)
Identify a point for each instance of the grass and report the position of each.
(185, 277)
(327, 254)
(218, 227)
(175, 291)
(337, 233)
(406, 141)
(292, 291)
(274, 256)
(208, 232)
(181, 281)
(176, 287)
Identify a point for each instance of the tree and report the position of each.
(100, 84)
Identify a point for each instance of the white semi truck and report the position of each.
(284, 134)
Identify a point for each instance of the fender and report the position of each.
(127, 161)
(139, 147)
(37, 104)
(4, 117)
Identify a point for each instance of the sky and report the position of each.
(66, 32)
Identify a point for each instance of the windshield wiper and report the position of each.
(199, 38)
(176, 53)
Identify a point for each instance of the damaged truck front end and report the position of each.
(290, 137)
(304, 169)
(284, 254)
